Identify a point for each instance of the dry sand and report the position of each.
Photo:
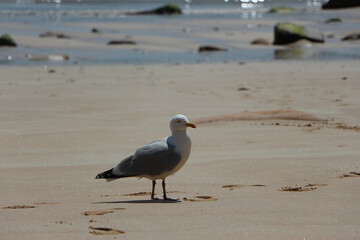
(251, 174)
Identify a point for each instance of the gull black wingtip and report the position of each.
(106, 174)
(99, 176)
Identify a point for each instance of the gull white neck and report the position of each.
(182, 141)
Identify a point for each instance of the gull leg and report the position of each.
(153, 190)
(164, 192)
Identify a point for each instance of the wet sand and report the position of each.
(251, 173)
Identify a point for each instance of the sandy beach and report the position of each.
(275, 154)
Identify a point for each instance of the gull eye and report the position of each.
(179, 121)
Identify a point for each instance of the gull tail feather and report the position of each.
(109, 176)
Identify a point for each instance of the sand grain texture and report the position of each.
(57, 131)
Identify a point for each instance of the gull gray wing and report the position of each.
(152, 159)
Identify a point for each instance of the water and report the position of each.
(108, 10)
(29, 18)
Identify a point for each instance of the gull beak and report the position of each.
(190, 125)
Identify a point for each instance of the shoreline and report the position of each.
(177, 39)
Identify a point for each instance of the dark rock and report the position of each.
(332, 4)
(282, 10)
(243, 89)
(333, 20)
(285, 33)
(121, 42)
(211, 48)
(95, 30)
(53, 34)
(7, 41)
(260, 41)
(351, 37)
(164, 10)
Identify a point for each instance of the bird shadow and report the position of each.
(141, 201)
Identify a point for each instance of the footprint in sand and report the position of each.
(297, 189)
(101, 212)
(104, 231)
(28, 206)
(231, 187)
(201, 199)
(346, 127)
(308, 187)
(18, 207)
(316, 185)
(350, 174)
(44, 203)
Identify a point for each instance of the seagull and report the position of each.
(158, 159)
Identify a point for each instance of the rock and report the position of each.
(7, 41)
(164, 10)
(285, 33)
(282, 10)
(341, 4)
(211, 48)
(53, 34)
(95, 30)
(351, 37)
(243, 89)
(333, 20)
(121, 42)
(260, 41)
(51, 57)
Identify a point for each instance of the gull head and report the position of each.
(180, 123)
